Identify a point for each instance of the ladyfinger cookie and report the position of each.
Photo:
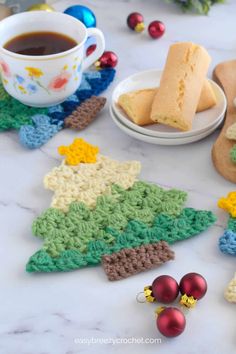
(137, 104)
(176, 101)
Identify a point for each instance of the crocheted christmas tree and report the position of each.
(37, 125)
(106, 211)
(227, 242)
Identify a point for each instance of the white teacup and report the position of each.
(45, 80)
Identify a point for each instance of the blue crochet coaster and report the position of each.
(37, 126)
(227, 243)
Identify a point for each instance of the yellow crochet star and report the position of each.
(228, 203)
(79, 151)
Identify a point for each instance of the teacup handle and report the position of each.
(100, 42)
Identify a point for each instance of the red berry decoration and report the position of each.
(135, 21)
(107, 60)
(156, 29)
(171, 322)
(193, 284)
(90, 49)
(165, 289)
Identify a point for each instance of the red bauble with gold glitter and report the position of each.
(165, 289)
(156, 29)
(171, 322)
(135, 21)
(193, 284)
(107, 60)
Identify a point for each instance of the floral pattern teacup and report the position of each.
(45, 80)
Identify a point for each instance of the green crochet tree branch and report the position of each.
(231, 224)
(125, 219)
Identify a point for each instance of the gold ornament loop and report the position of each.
(147, 295)
(140, 299)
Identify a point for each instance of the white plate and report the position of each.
(162, 141)
(151, 78)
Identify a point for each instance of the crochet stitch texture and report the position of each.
(100, 209)
(230, 292)
(34, 132)
(143, 214)
(228, 203)
(227, 242)
(14, 114)
(86, 181)
(85, 113)
(131, 261)
(79, 151)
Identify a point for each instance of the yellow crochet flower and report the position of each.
(79, 151)
(34, 72)
(228, 203)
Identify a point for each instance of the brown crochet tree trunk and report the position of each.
(129, 261)
(85, 113)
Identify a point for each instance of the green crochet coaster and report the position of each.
(142, 214)
(37, 126)
(14, 114)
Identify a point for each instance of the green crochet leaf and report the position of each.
(14, 114)
(164, 227)
(232, 224)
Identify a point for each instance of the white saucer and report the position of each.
(147, 79)
(162, 141)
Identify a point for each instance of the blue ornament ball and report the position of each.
(83, 14)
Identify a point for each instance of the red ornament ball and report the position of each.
(90, 49)
(165, 289)
(156, 29)
(193, 284)
(171, 322)
(107, 60)
(135, 21)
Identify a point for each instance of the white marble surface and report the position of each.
(44, 314)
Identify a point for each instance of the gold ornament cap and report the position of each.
(148, 294)
(41, 7)
(139, 27)
(159, 310)
(188, 301)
